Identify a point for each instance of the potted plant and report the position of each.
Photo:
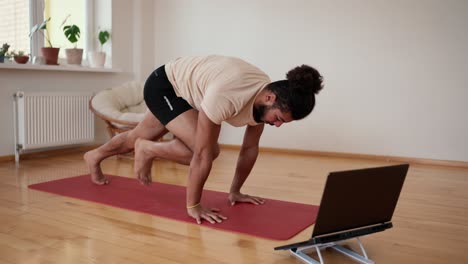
(49, 53)
(20, 57)
(97, 59)
(72, 33)
(3, 51)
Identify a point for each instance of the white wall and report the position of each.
(124, 16)
(395, 71)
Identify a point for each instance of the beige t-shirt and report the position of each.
(224, 87)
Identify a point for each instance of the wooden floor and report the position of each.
(431, 220)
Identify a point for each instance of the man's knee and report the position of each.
(131, 138)
(216, 151)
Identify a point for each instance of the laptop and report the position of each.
(356, 203)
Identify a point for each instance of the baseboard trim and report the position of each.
(449, 163)
(49, 153)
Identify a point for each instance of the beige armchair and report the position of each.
(121, 107)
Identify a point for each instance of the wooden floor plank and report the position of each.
(431, 220)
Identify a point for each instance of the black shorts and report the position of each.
(161, 99)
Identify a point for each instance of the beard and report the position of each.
(259, 112)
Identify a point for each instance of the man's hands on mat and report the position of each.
(244, 198)
(211, 215)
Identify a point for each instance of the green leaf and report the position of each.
(38, 27)
(103, 37)
(72, 32)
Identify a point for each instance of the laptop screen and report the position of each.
(358, 198)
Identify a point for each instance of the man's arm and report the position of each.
(247, 157)
(206, 139)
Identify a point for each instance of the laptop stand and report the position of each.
(299, 253)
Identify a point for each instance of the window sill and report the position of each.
(73, 68)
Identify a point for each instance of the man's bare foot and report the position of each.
(143, 161)
(95, 168)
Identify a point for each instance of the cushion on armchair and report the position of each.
(123, 103)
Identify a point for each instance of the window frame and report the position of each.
(36, 15)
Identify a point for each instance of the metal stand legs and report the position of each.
(299, 253)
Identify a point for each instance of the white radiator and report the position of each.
(50, 119)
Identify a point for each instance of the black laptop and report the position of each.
(356, 203)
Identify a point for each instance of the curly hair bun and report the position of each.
(305, 79)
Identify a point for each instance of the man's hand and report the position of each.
(209, 214)
(244, 198)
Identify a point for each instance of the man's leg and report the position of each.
(180, 150)
(149, 128)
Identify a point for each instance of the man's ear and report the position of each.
(270, 98)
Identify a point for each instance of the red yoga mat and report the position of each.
(278, 220)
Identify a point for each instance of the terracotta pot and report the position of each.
(74, 56)
(21, 59)
(97, 59)
(50, 55)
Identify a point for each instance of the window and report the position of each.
(58, 11)
(18, 17)
(14, 22)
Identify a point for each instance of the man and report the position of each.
(191, 97)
